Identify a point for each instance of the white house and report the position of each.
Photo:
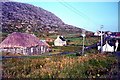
(98, 33)
(107, 47)
(60, 41)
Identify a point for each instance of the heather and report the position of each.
(60, 66)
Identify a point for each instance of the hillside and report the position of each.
(21, 17)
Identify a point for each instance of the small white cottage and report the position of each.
(97, 33)
(107, 47)
(60, 41)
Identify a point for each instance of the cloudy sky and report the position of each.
(87, 14)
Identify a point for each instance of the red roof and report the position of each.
(118, 34)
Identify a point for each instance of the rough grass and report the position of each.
(64, 66)
(11, 54)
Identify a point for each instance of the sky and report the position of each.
(89, 15)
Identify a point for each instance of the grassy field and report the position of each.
(93, 65)
(64, 66)
(79, 40)
(74, 44)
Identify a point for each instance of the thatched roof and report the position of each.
(18, 39)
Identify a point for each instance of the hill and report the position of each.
(21, 17)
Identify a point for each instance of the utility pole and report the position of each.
(101, 38)
(83, 35)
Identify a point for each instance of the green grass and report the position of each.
(75, 45)
(93, 66)
(71, 55)
(67, 48)
(64, 66)
(79, 41)
(35, 57)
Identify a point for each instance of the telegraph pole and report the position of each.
(83, 35)
(101, 38)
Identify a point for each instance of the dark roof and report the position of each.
(62, 38)
(111, 44)
(118, 34)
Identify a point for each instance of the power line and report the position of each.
(82, 13)
(71, 8)
(76, 11)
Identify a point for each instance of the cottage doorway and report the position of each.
(118, 45)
